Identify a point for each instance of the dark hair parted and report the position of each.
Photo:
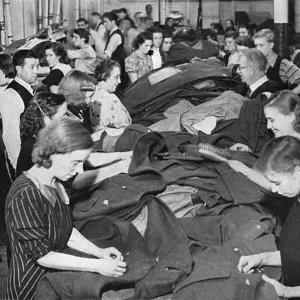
(83, 34)
(6, 66)
(82, 20)
(42, 104)
(104, 69)
(140, 39)
(245, 40)
(20, 56)
(280, 155)
(70, 86)
(110, 16)
(60, 51)
(286, 102)
(61, 136)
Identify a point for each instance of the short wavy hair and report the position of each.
(59, 50)
(42, 104)
(140, 39)
(268, 34)
(62, 136)
(256, 58)
(70, 86)
(104, 69)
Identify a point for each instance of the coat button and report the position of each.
(247, 282)
(236, 249)
(258, 226)
(105, 202)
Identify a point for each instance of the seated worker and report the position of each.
(159, 56)
(85, 57)
(38, 217)
(283, 119)
(279, 70)
(279, 163)
(139, 62)
(231, 58)
(107, 113)
(245, 30)
(167, 42)
(252, 66)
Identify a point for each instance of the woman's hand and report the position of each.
(280, 288)
(248, 263)
(110, 267)
(238, 166)
(240, 147)
(112, 253)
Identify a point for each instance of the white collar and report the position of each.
(258, 83)
(24, 84)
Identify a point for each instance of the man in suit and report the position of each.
(252, 69)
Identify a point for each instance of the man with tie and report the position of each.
(252, 67)
(14, 101)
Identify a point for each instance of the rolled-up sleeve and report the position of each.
(29, 223)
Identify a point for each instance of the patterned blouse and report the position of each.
(135, 63)
(36, 225)
(108, 113)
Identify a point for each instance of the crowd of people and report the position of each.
(72, 130)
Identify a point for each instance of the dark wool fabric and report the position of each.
(156, 263)
(289, 246)
(268, 86)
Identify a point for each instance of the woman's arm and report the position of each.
(248, 263)
(98, 159)
(251, 174)
(91, 177)
(79, 242)
(61, 261)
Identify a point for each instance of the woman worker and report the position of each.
(280, 164)
(38, 219)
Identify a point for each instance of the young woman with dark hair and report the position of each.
(139, 62)
(38, 218)
(43, 108)
(279, 162)
(58, 61)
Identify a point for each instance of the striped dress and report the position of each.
(36, 225)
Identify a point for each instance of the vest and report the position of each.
(22, 91)
(119, 53)
(273, 74)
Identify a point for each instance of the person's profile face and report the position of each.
(230, 44)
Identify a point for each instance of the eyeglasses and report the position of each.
(241, 68)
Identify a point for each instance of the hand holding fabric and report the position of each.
(110, 267)
(280, 288)
(248, 263)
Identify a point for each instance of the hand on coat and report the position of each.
(112, 253)
(280, 288)
(110, 267)
(248, 263)
(240, 147)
